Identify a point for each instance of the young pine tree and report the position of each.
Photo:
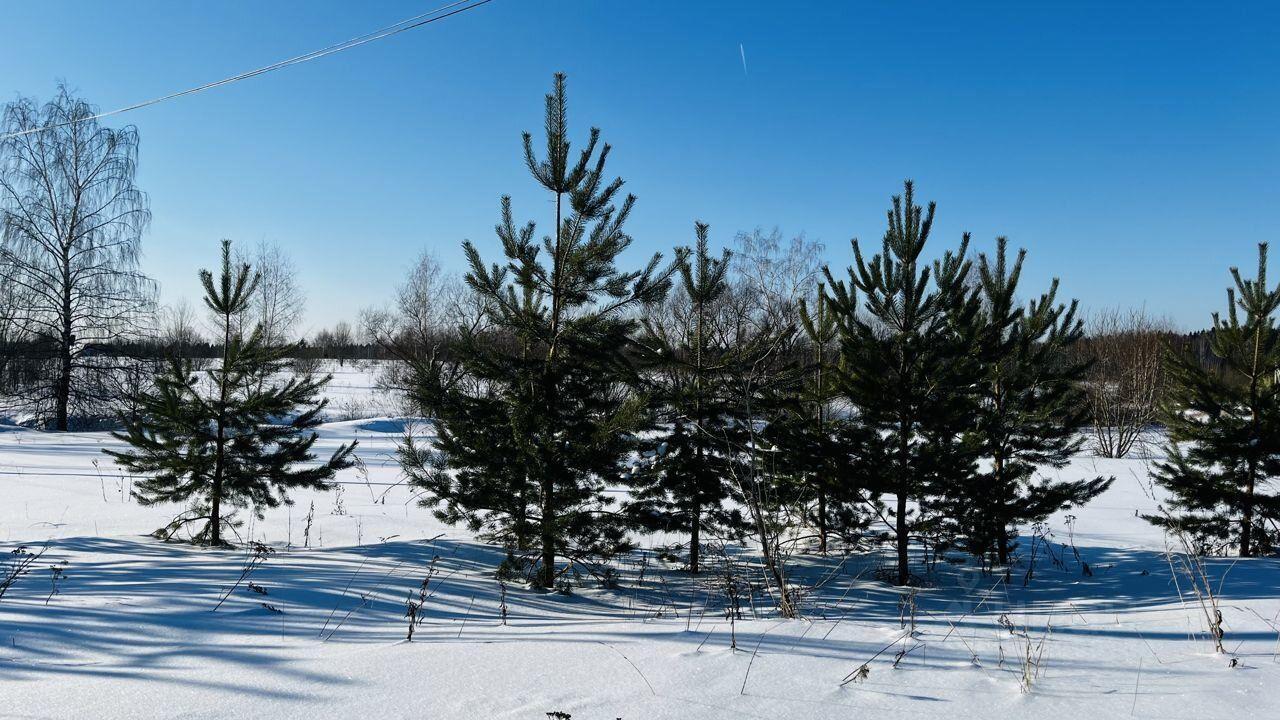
(552, 370)
(818, 445)
(1031, 405)
(1224, 426)
(230, 436)
(907, 367)
(684, 352)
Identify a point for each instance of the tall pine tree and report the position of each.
(1223, 455)
(552, 369)
(907, 367)
(1030, 407)
(230, 436)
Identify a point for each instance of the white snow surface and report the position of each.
(132, 631)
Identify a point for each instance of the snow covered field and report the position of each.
(132, 631)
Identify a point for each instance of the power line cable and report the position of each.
(404, 25)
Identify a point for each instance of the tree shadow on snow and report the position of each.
(139, 608)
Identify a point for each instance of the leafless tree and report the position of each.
(16, 368)
(417, 314)
(72, 225)
(770, 517)
(426, 312)
(279, 302)
(760, 316)
(336, 342)
(180, 327)
(342, 337)
(1127, 379)
(774, 275)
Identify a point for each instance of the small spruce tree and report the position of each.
(1223, 454)
(231, 436)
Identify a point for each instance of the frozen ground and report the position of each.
(132, 631)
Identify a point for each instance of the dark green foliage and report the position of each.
(907, 367)
(471, 470)
(819, 446)
(1224, 427)
(686, 482)
(545, 412)
(1030, 406)
(229, 436)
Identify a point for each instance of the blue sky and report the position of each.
(1134, 149)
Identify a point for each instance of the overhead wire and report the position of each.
(417, 21)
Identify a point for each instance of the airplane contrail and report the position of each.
(743, 53)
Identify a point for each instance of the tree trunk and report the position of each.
(215, 509)
(997, 523)
(522, 520)
(822, 435)
(904, 440)
(822, 522)
(62, 387)
(695, 534)
(695, 538)
(771, 562)
(1246, 522)
(549, 394)
(548, 569)
(904, 569)
(220, 447)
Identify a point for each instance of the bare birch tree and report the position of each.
(15, 302)
(179, 328)
(428, 309)
(776, 275)
(1127, 378)
(72, 226)
(279, 301)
